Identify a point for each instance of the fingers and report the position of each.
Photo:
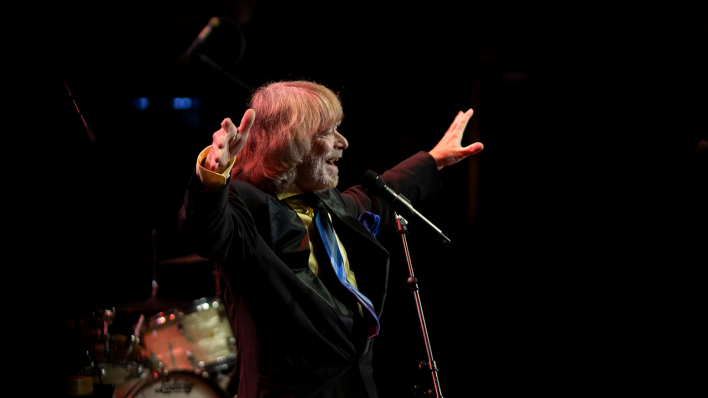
(460, 123)
(219, 141)
(226, 124)
(238, 139)
(464, 119)
(449, 150)
(454, 122)
(473, 149)
(229, 140)
(228, 129)
(247, 121)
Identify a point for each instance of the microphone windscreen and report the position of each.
(371, 180)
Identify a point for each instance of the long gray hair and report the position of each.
(288, 114)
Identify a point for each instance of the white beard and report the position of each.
(321, 174)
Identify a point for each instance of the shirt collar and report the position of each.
(288, 192)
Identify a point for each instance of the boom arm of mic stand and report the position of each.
(223, 71)
(402, 229)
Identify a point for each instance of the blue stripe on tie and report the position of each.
(335, 257)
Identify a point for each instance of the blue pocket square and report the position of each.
(371, 221)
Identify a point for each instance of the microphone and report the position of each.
(213, 24)
(373, 183)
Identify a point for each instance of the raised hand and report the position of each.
(228, 141)
(449, 150)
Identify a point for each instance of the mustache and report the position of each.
(337, 153)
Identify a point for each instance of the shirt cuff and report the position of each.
(213, 180)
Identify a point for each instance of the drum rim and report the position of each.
(196, 306)
(154, 376)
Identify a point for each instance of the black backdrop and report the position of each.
(553, 225)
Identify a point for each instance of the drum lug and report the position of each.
(190, 357)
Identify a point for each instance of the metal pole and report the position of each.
(402, 229)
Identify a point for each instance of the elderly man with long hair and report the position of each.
(305, 277)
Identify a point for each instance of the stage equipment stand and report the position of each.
(402, 230)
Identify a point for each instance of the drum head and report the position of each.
(199, 336)
(177, 384)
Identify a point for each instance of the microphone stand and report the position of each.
(222, 71)
(402, 230)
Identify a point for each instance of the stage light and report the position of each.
(186, 103)
(140, 103)
(177, 103)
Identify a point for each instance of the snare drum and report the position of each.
(196, 337)
(176, 384)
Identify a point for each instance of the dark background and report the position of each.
(576, 233)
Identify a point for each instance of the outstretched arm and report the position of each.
(449, 150)
(416, 177)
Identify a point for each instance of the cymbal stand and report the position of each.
(155, 286)
(402, 230)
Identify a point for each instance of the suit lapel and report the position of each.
(288, 236)
(338, 211)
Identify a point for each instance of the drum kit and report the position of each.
(178, 348)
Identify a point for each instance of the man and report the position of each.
(305, 280)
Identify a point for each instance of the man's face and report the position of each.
(318, 172)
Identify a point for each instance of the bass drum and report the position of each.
(176, 384)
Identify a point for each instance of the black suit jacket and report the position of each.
(294, 336)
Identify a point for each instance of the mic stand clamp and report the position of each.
(402, 230)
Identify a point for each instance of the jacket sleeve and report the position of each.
(217, 224)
